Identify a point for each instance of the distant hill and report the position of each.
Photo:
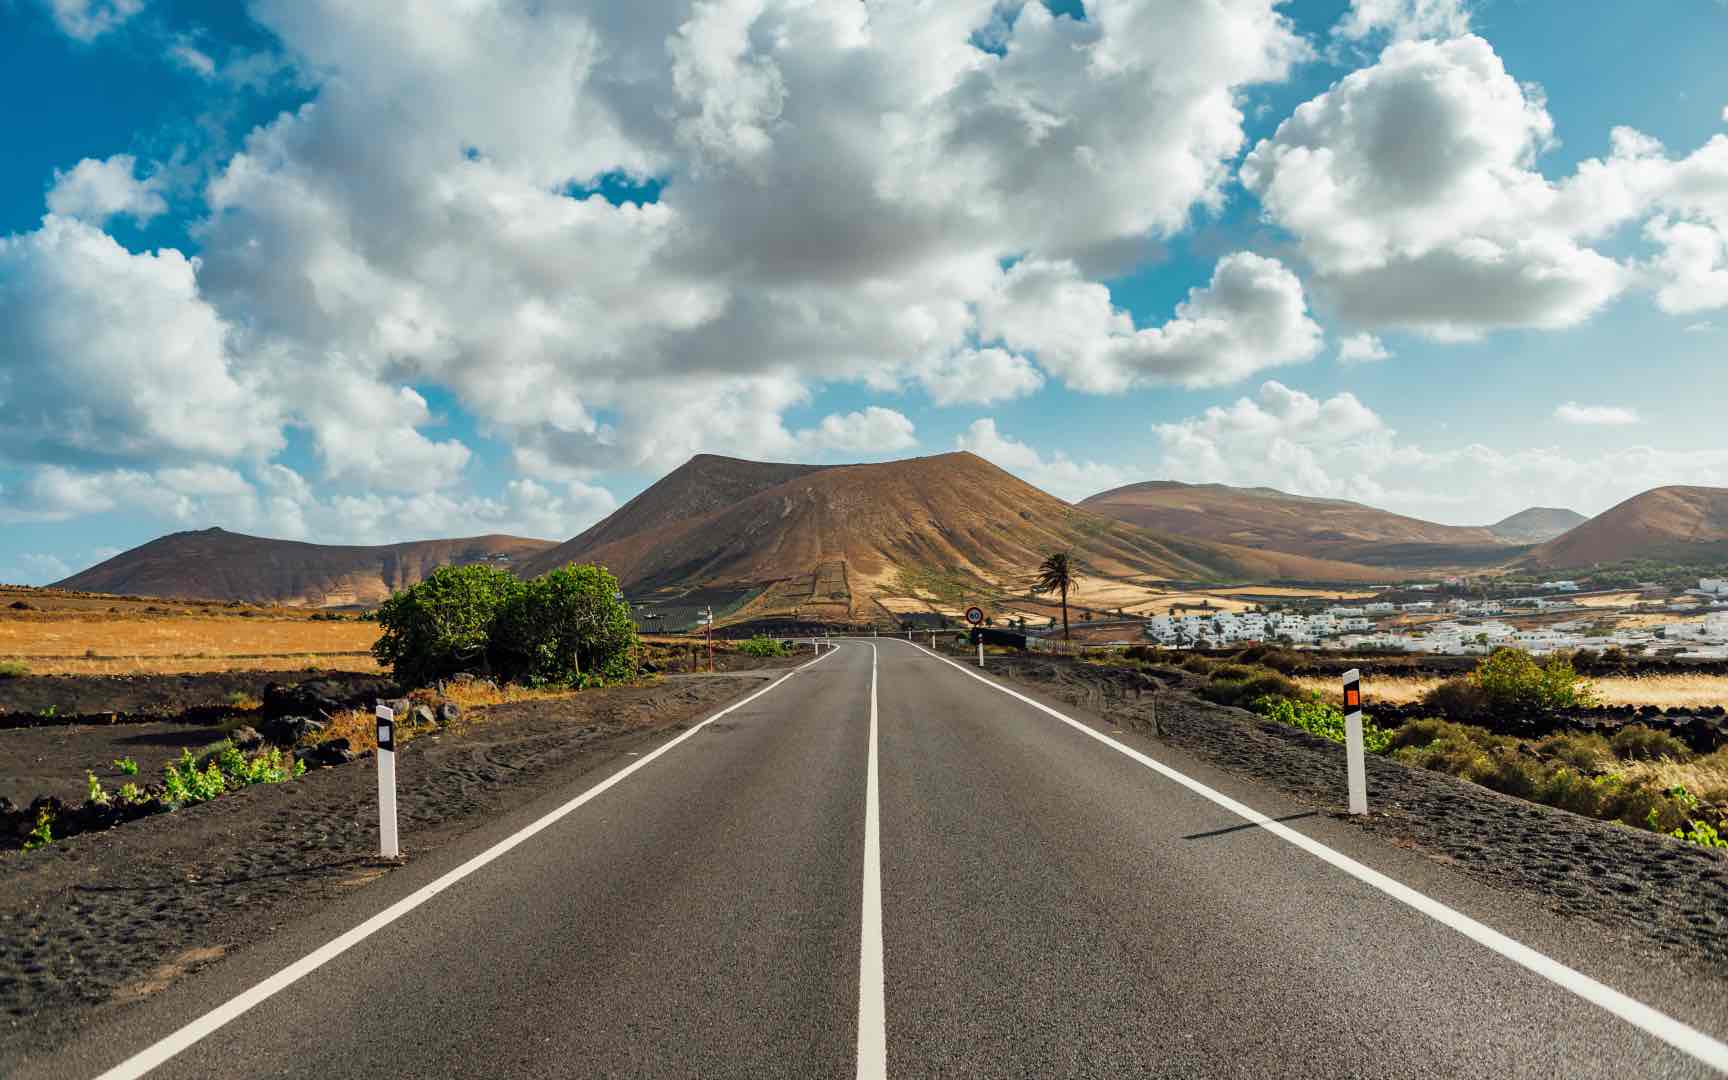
(217, 565)
(1273, 520)
(1537, 525)
(1667, 524)
(863, 532)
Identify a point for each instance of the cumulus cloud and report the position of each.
(87, 20)
(192, 58)
(1596, 415)
(1057, 473)
(872, 430)
(979, 377)
(1404, 19)
(1251, 316)
(95, 191)
(1362, 348)
(109, 355)
(1338, 447)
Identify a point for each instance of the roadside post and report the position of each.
(1358, 775)
(387, 845)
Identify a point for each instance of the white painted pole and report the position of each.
(387, 845)
(1356, 768)
(980, 652)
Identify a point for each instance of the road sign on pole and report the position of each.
(1355, 766)
(974, 615)
(387, 845)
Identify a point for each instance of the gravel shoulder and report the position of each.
(101, 919)
(1658, 894)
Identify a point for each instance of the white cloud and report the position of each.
(870, 431)
(95, 191)
(1596, 415)
(1411, 186)
(1057, 474)
(1340, 448)
(109, 355)
(87, 20)
(1362, 348)
(1405, 19)
(1250, 317)
(1701, 328)
(185, 54)
(979, 377)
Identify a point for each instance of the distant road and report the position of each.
(883, 865)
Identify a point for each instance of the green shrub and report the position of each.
(13, 669)
(1244, 688)
(564, 625)
(43, 833)
(126, 765)
(761, 645)
(1460, 700)
(1586, 753)
(1700, 833)
(1515, 681)
(1635, 742)
(1322, 718)
(1276, 657)
(445, 624)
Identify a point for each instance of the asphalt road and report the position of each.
(1048, 906)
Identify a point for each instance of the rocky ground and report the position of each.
(101, 918)
(1658, 893)
(47, 700)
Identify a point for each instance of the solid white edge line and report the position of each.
(872, 1010)
(1683, 1037)
(165, 1048)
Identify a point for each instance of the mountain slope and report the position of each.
(1319, 528)
(955, 517)
(217, 565)
(1670, 524)
(1537, 525)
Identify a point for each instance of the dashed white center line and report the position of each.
(872, 1018)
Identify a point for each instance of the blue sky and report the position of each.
(306, 271)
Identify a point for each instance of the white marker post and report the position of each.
(1358, 775)
(980, 650)
(387, 845)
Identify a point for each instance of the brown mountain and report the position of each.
(953, 523)
(1669, 524)
(217, 565)
(1537, 525)
(1320, 528)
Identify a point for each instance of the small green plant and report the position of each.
(130, 794)
(1701, 833)
(93, 791)
(1322, 718)
(1514, 680)
(49, 712)
(126, 765)
(762, 645)
(43, 834)
(13, 669)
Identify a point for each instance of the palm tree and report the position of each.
(1056, 574)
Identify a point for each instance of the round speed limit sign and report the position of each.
(974, 615)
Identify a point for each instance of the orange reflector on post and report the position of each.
(1352, 698)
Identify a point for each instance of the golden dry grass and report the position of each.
(1666, 691)
(89, 643)
(1707, 775)
(360, 726)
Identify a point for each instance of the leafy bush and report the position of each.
(1460, 700)
(185, 783)
(564, 625)
(1288, 661)
(1234, 684)
(762, 645)
(1515, 681)
(43, 833)
(126, 765)
(1322, 718)
(1586, 753)
(445, 624)
(1635, 742)
(13, 669)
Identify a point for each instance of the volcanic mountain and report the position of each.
(217, 565)
(1537, 525)
(1668, 524)
(1273, 520)
(953, 521)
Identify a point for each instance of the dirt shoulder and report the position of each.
(1660, 894)
(100, 919)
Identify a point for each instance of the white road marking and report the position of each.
(161, 1051)
(1683, 1037)
(872, 1012)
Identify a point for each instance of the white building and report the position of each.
(1717, 586)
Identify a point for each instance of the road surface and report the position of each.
(883, 864)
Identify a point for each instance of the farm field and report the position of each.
(1665, 691)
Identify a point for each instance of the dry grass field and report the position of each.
(1667, 691)
(86, 634)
